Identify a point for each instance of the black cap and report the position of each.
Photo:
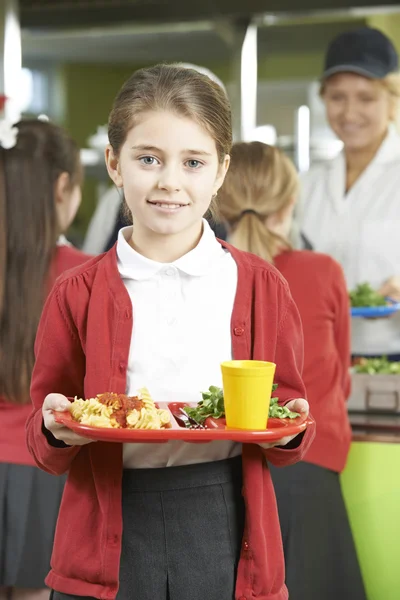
(365, 51)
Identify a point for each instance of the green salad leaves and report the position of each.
(363, 296)
(280, 412)
(377, 366)
(212, 405)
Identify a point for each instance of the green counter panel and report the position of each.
(371, 487)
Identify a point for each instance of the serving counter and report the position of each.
(371, 487)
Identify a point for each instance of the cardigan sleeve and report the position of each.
(288, 376)
(59, 368)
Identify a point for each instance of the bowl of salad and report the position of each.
(367, 303)
(375, 386)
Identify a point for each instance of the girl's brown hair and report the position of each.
(176, 89)
(261, 181)
(28, 236)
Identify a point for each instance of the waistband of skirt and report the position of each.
(183, 477)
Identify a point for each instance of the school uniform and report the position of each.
(122, 321)
(29, 498)
(360, 230)
(321, 561)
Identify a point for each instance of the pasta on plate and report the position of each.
(120, 411)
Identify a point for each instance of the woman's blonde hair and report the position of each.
(392, 83)
(261, 181)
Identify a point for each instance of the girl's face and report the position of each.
(169, 170)
(359, 110)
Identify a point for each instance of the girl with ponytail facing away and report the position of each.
(257, 202)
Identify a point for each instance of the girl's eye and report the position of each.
(148, 160)
(193, 163)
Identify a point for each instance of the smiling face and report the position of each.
(169, 170)
(359, 110)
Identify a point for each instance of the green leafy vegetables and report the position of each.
(280, 412)
(377, 366)
(212, 405)
(363, 296)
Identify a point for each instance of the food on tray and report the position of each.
(364, 296)
(276, 411)
(377, 366)
(212, 405)
(120, 411)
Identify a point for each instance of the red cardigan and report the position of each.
(82, 349)
(319, 289)
(13, 417)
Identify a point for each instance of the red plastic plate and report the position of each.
(216, 430)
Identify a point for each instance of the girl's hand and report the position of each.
(59, 403)
(391, 288)
(299, 405)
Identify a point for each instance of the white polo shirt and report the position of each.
(181, 334)
(361, 230)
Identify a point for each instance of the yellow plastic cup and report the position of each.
(247, 392)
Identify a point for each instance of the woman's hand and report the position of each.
(59, 403)
(391, 288)
(299, 405)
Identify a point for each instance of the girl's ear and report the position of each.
(222, 171)
(62, 188)
(113, 168)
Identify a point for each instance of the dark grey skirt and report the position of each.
(29, 505)
(182, 532)
(321, 560)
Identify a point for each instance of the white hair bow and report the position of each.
(8, 134)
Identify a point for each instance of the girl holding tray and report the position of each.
(40, 192)
(257, 202)
(163, 308)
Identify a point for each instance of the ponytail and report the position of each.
(260, 183)
(252, 235)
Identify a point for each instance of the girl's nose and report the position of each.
(169, 180)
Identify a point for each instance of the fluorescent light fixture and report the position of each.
(303, 138)
(11, 60)
(248, 83)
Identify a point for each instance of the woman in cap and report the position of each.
(351, 205)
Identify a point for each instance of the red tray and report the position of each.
(216, 430)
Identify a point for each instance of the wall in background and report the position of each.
(89, 93)
(390, 25)
(90, 90)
